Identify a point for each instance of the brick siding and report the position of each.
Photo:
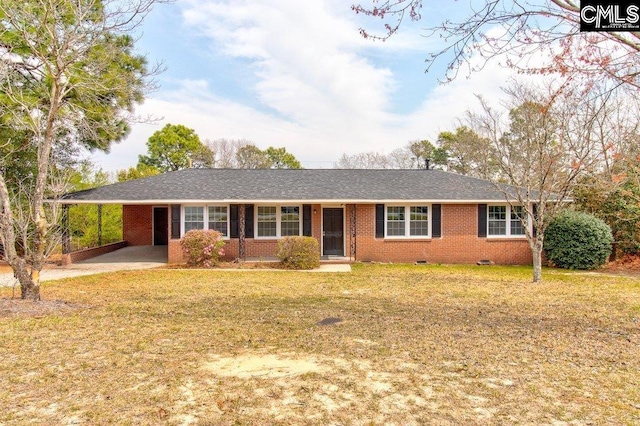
(137, 223)
(89, 253)
(459, 242)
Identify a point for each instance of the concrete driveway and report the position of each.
(128, 258)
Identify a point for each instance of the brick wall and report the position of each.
(459, 242)
(89, 253)
(137, 222)
(254, 248)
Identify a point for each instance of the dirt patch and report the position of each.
(5, 268)
(28, 308)
(266, 366)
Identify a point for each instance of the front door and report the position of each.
(333, 232)
(160, 226)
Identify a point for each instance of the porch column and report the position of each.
(66, 236)
(99, 225)
(242, 255)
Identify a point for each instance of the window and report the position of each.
(395, 221)
(397, 224)
(419, 221)
(218, 219)
(505, 221)
(206, 217)
(278, 221)
(289, 220)
(517, 226)
(267, 221)
(497, 220)
(193, 218)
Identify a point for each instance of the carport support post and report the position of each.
(66, 235)
(242, 255)
(99, 225)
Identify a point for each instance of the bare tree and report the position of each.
(225, 150)
(411, 156)
(543, 140)
(524, 30)
(363, 160)
(402, 158)
(68, 75)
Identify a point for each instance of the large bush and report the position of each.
(619, 207)
(577, 240)
(299, 252)
(202, 248)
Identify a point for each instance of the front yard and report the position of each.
(399, 344)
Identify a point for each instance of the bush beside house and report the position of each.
(299, 252)
(577, 240)
(202, 248)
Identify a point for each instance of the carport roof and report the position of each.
(305, 185)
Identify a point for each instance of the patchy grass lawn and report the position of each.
(404, 345)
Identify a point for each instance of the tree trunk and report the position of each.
(29, 284)
(536, 250)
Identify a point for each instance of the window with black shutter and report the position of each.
(379, 220)
(436, 214)
(482, 220)
(175, 221)
(306, 220)
(248, 221)
(233, 221)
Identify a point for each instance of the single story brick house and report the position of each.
(359, 215)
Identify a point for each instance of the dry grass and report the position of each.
(416, 345)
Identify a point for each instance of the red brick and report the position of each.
(459, 242)
(137, 222)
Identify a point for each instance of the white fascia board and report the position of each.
(252, 201)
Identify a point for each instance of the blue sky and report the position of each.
(299, 75)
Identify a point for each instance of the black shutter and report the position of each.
(436, 227)
(306, 220)
(535, 216)
(482, 220)
(379, 220)
(175, 221)
(233, 218)
(248, 221)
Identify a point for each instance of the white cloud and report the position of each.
(315, 85)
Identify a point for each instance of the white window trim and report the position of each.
(278, 221)
(407, 224)
(508, 224)
(205, 208)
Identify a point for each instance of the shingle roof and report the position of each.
(306, 185)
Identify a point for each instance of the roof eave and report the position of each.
(281, 201)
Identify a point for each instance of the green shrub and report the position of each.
(299, 252)
(202, 248)
(577, 240)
